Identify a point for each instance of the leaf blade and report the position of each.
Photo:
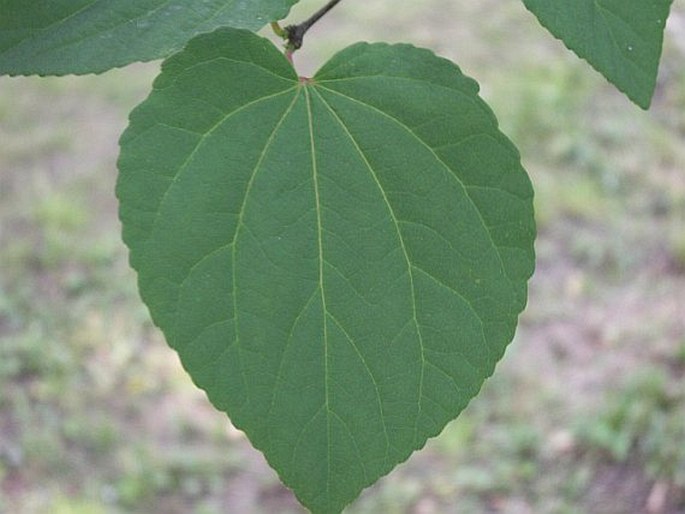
(320, 260)
(88, 36)
(621, 39)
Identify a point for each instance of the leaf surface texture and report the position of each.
(339, 261)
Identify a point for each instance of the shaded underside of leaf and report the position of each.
(339, 261)
(621, 39)
(58, 37)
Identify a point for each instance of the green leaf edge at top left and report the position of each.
(339, 261)
(61, 37)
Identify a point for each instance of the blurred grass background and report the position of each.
(586, 413)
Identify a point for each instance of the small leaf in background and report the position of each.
(339, 261)
(620, 38)
(49, 37)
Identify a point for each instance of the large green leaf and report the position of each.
(620, 38)
(339, 261)
(57, 37)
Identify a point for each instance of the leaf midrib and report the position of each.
(404, 252)
(397, 223)
(319, 234)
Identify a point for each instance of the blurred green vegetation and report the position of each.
(584, 414)
(644, 420)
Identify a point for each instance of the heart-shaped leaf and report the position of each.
(57, 37)
(620, 38)
(339, 261)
